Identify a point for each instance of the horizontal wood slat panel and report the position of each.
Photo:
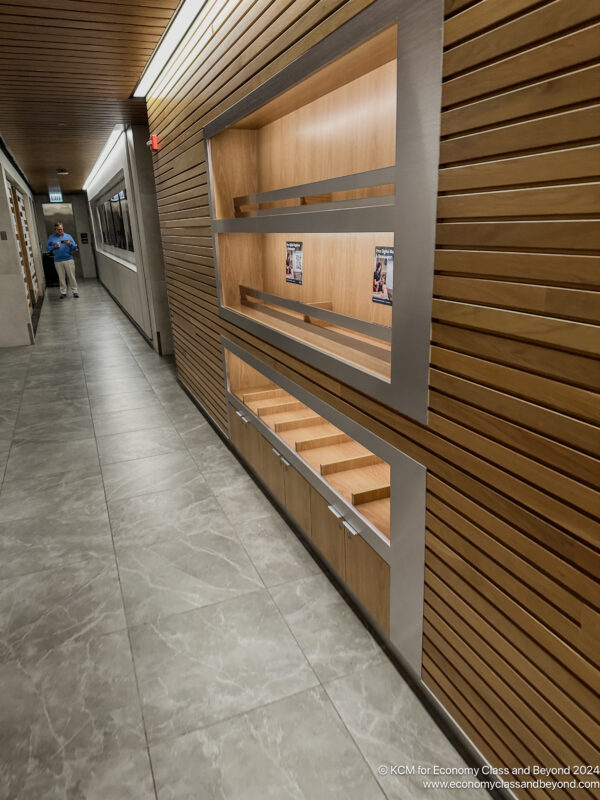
(513, 557)
(540, 23)
(543, 268)
(577, 87)
(551, 130)
(507, 658)
(571, 304)
(554, 56)
(568, 750)
(557, 166)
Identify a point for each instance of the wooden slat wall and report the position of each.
(512, 563)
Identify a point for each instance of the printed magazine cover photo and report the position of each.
(383, 275)
(293, 262)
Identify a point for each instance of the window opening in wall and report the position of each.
(112, 212)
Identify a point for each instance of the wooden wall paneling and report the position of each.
(526, 415)
(550, 19)
(502, 723)
(540, 390)
(500, 654)
(556, 166)
(482, 16)
(554, 56)
(550, 130)
(512, 562)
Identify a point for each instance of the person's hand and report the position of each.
(56, 244)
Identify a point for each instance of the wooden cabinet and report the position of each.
(271, 469)
(363, 570)
(297, 497)
(368, 577)
(328, 533)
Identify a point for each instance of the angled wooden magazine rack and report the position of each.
(323, 198)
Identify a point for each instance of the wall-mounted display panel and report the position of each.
(360, 500)
(323, 193)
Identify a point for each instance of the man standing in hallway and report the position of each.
(61, 245)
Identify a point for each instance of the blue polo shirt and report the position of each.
(65, 251)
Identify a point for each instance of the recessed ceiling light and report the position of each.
(62, 171)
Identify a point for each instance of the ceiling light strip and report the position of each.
(112, 140)
(180, 25)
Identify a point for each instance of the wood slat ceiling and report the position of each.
(67, 69)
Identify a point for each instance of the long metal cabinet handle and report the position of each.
(350, 529)
(335, 512)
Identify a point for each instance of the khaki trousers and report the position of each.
(67, 266)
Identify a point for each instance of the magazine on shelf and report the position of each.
(293, 262)
(383, 275)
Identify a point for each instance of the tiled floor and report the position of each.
(162, 631)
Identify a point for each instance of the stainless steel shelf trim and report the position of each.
(356, 180)
(373, 329)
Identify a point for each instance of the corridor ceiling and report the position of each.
(67, 70)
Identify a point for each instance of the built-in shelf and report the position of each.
(323, 195)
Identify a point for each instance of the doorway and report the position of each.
(62, 212)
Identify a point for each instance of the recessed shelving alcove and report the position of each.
(358, 499)
(322, 190)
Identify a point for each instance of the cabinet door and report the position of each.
(270, 470)
(368, 577)
(297, 497)
(237, 430)
(327, 533)
(246, 439)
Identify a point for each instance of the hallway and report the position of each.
(163, 632)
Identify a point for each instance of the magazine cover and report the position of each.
(293, 262)
(383, 275)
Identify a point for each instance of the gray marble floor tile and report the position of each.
(16, 355)
(8, 417)
(36, 458)
(115, 372)
(330, 634)
(33, 545)
(143, 521)
(10, 371)
(126, 776)
(171, 394)
(242, 500)
(294, 749)
(13, 385)
(212, 663)
(145, 475)
(276, 552)
(98, 388)
(219, 466)
(131, 419)
(51, 377)
(54, 429)
(10, 399)
(41, 395)
(120, 358)
(197, 433)
(54, 410)
(67, 495)
(65, 715)
(179, 407)
(110, 403)
(391, 727)
(43, 610)
(178, 575)
(139, 444)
